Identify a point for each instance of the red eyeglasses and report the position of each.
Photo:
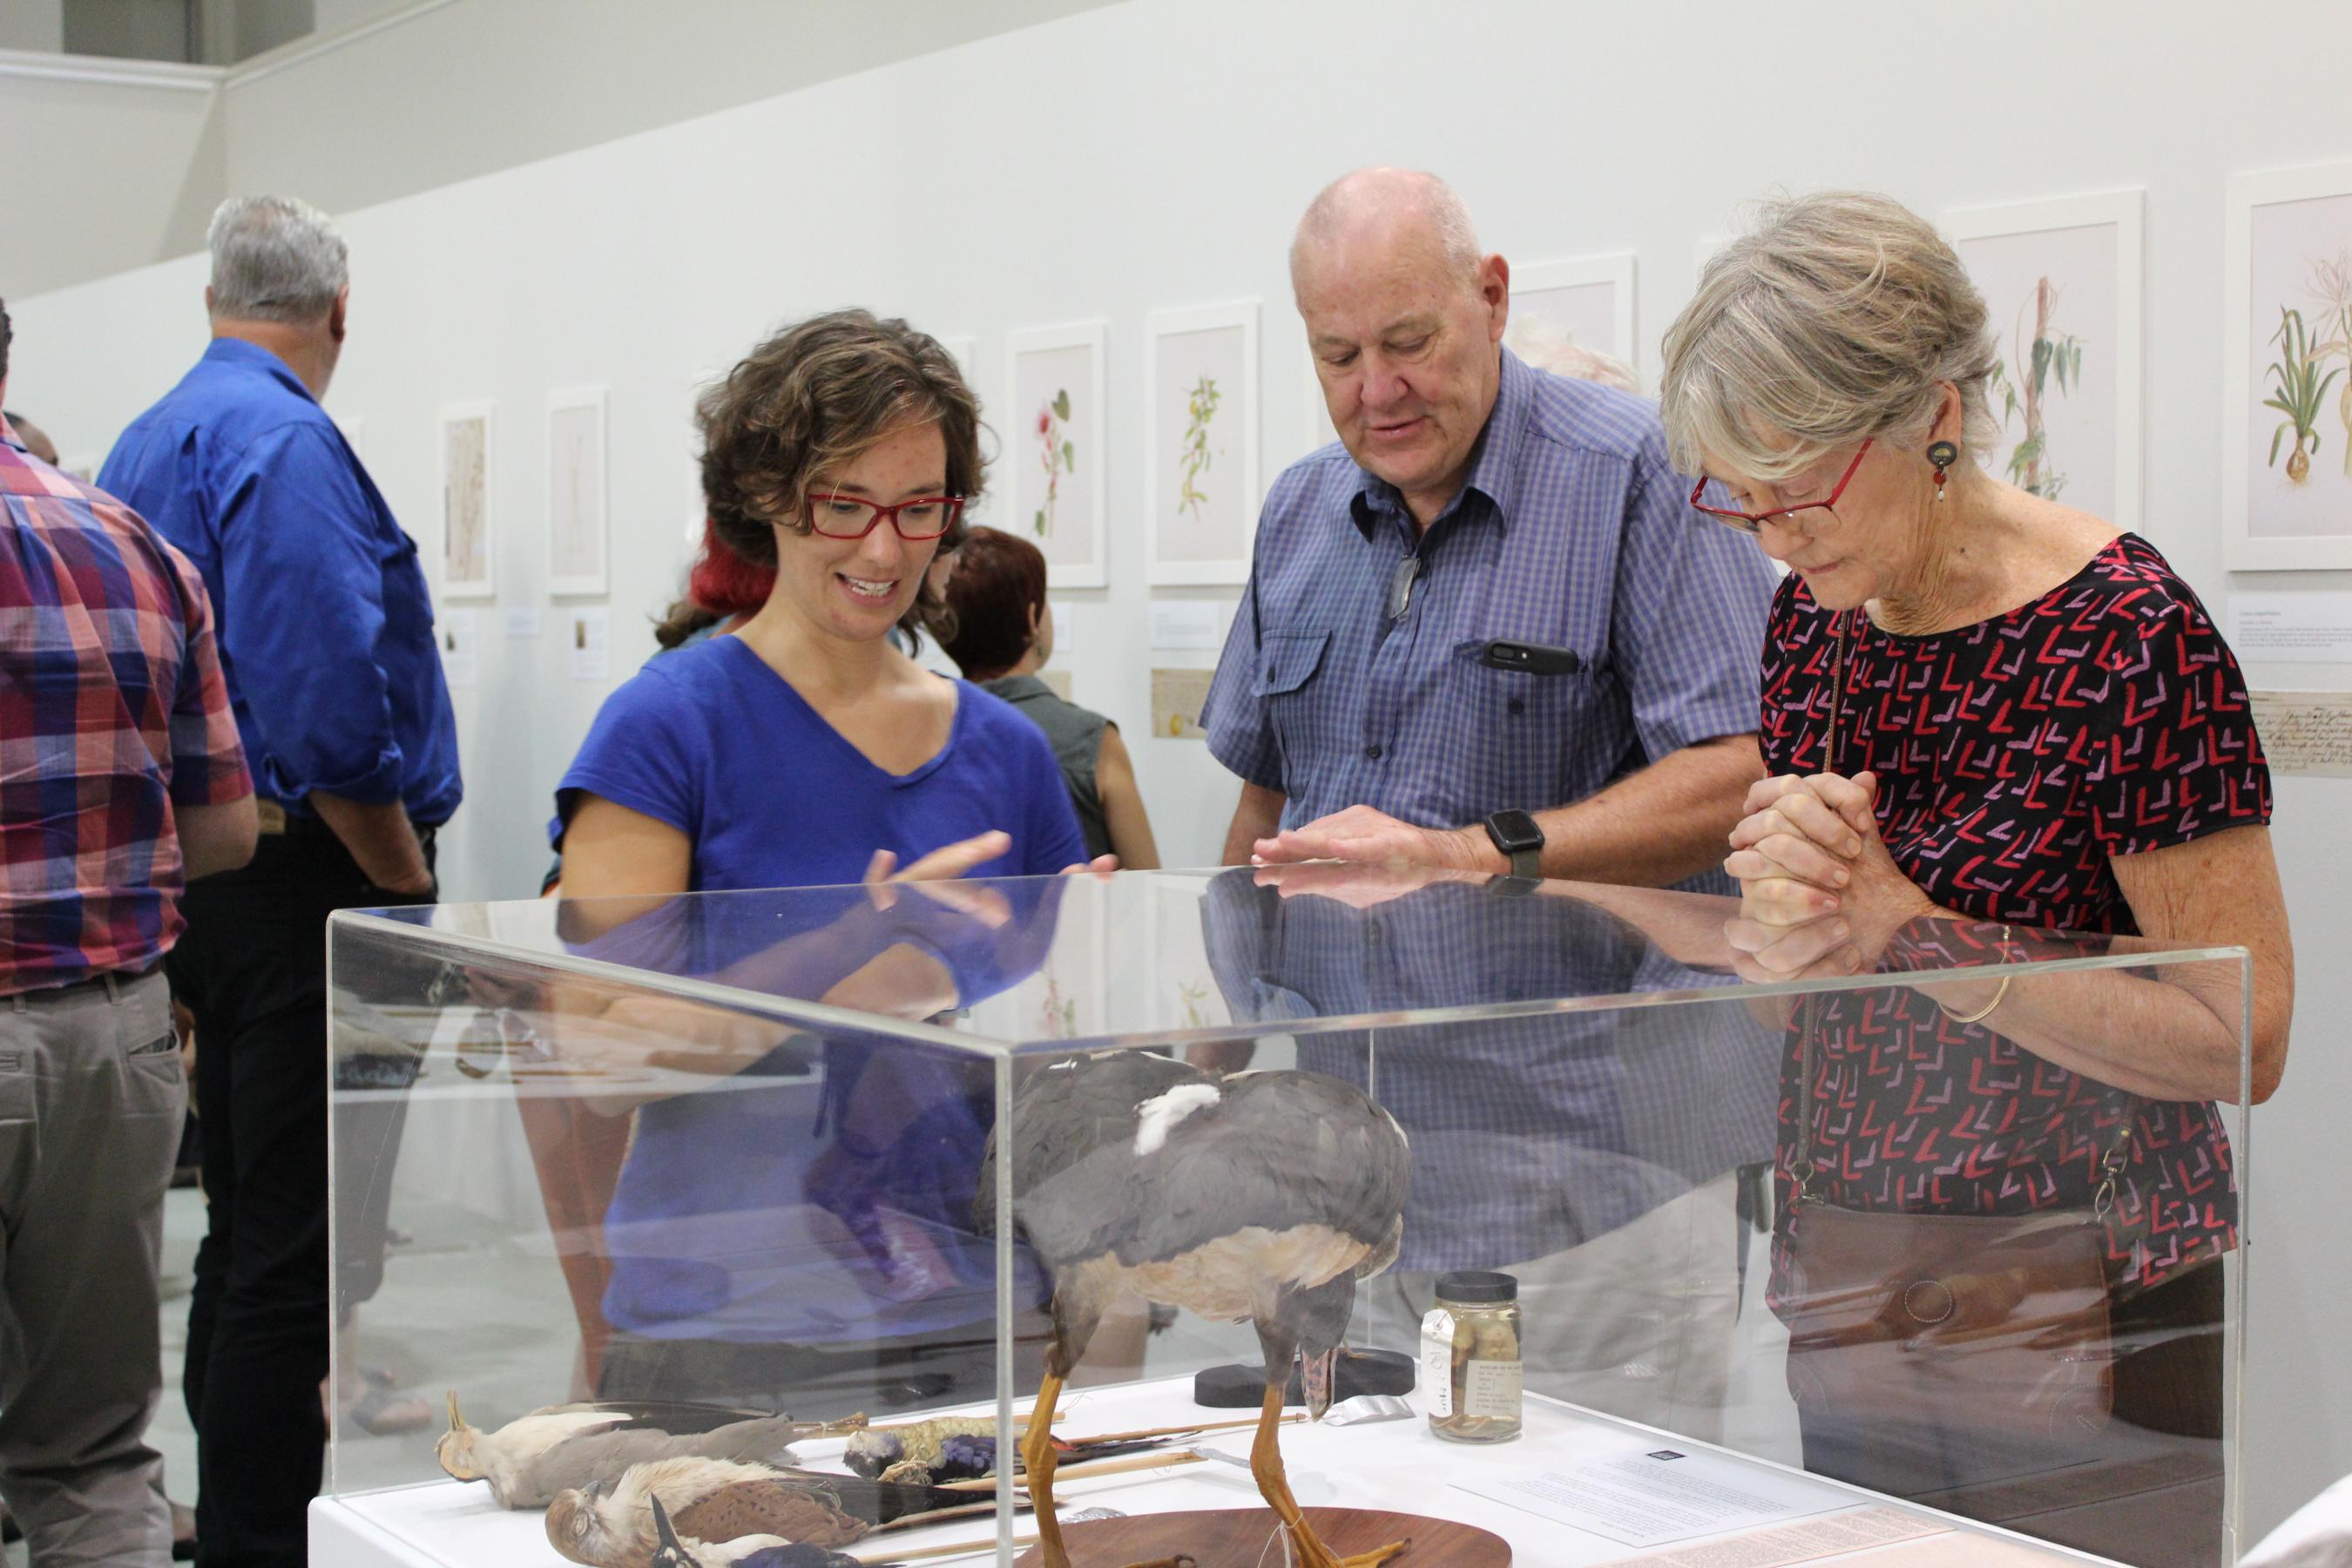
(855, 517)
(1753, 522)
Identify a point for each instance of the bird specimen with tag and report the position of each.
(558, 1447)
(1261, 1196)
(610, 1524)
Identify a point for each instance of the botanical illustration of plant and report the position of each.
(1199, 409)
(2050, 356)
(1060, 1013)
(1056, 454)
(2300, 392)
(1192, 993)
(2331, 284)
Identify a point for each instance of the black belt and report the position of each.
(278, 822)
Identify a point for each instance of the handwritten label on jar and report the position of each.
(1437, 1363)
(1492, 1388)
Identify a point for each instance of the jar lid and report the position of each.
(1473, 1288)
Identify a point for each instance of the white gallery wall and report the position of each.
(1154, 155)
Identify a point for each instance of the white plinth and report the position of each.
(1398, 1464)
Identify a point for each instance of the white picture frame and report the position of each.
(1588, 299)
(2282, 228)
(2032, 257)
(1058, 508)
(579, 519)
(1201, 478)
(467, 461)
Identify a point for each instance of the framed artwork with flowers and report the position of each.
(2286, 371)
(2061, 279)
(1200, 488)
(1560, 307)
(1052, 422)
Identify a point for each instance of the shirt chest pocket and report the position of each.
(1290, 678)
(1523, 728)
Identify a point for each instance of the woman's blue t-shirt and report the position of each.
(720, 747)
(765, 1209)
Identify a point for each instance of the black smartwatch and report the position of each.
(1516, 834)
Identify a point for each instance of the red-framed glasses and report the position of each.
(855, 517)
(1753, 522)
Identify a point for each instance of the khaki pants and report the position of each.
(92, 1097)
(1635, 1323)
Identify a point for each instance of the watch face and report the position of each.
(1513, 831)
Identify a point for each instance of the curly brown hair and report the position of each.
(809, 400)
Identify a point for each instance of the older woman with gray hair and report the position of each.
(1979, 702)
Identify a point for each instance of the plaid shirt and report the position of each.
(1573, 531)
(112, 711)
(1530, 1135)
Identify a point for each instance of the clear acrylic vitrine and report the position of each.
(1812, 1246)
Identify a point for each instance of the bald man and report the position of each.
(1485, 629)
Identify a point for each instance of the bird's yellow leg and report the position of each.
(1273, 1485)
(1038, 1466)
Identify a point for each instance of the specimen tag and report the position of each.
(1437, 1363)
(1491, 1388)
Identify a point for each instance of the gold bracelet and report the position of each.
(1981, 1014)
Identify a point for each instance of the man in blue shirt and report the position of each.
(1485, 630)
(325, 636)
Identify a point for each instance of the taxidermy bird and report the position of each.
(531, 1460)
(610, 1524)
(879, 1449)
(749, 1551)
(1264, 1197)
(961, 1447)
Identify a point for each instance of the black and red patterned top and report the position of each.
(2016, 759)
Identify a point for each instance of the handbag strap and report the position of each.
(1801, 1169)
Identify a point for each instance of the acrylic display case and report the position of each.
(1806, 1260)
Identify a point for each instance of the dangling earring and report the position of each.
(1943, 454)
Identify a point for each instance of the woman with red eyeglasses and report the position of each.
(1983, 709)
(801, 749)
(790, 1226)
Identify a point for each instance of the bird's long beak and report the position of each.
(1315, 1373)
(664, 1531)
(457, 1421)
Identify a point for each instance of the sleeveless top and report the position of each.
(1075, 734)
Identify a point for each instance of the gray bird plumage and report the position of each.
(1275, 1150)
(1263, 1196)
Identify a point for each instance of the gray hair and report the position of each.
(1842, 315)
(1548, 345)
(275, 258)
(1351, 196)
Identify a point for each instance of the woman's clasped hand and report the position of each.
(1808, 858)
